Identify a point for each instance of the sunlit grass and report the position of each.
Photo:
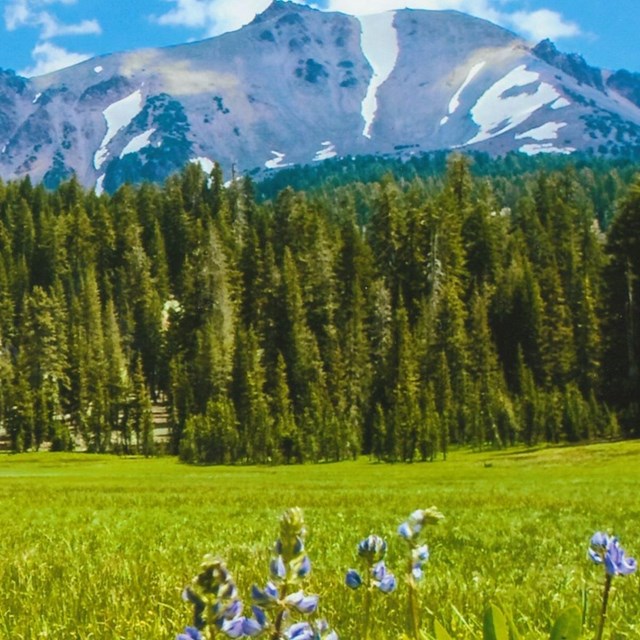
(100, 547)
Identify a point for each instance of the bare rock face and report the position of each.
(298, 85)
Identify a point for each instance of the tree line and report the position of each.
(394, 318)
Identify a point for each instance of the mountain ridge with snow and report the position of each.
(298, 85)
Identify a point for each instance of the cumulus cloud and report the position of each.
(31, 13)
(541, 24)
(212, 16)
(48, 57)
(218, 16)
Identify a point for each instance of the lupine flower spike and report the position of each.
(216, 605)
(376, 575)
(289, 566)
(605, 550)
(418, 555)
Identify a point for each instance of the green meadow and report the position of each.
(100, 547)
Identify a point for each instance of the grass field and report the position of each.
(101, 547)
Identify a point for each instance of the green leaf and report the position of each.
(568, 626)
(495, 624)
(441, 632)
(513, 632)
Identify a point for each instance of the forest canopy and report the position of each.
(384, 309)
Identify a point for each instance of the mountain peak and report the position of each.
(280, 7)
(305, 85)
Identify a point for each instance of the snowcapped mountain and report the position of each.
(298, 85)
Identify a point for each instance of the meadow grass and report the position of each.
(100, 547)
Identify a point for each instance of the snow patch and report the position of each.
(454, 103)
(138, 142)
(118, 115)
(495, 115)
(277, 161)
(206, 164)
(37, 98)
(560, 103)
(548, 131)
(327, 150)
(98, 69)
(379, 43)
(99, 188)
(547, 147)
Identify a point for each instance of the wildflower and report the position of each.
(301, 603)
(277, 568)
(307, 631)
(241, 627)
(410, 529)
(190, 633)
(419, 556)
(265, 598)
(605, 549)
(353, 579)
(302, 567)
(299, 631)
(372, 548)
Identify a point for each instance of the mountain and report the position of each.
(298, 85)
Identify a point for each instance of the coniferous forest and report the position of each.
(395, 316)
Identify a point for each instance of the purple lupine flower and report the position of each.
(379, 570)
(419, 556)
(372, 548)
(299, 631)
(233, 628)
(323, 632)
(267, 597)
(277, 568)
(300, 602)
(241, 627)
(382, 578)
(190, 633)
(260, 616)
(388, 583)
(303, 568)
(405, 531)
(605, 549)
(227, 610)
(353, 579)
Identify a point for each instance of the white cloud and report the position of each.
(48, 57)
(213, 17)
(30, 13)
(541, 24)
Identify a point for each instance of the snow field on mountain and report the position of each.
(495, 114)
(137, 143)
(117, 115)
(328, 150)
(455, 101)
(560, 103)
(547, 131)
(379, 43)
(277, 162)
(547, 147)
(206, 164)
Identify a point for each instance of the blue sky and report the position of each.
(37, 36)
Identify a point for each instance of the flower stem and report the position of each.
(277, 627)
(605, 602)
(414, 613)
(367, 615)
